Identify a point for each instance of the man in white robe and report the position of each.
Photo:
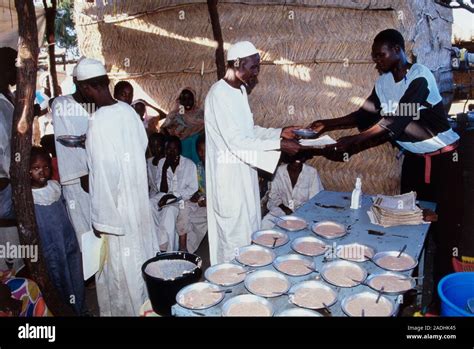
(8, 229)
(235, 147)
(118, 187)
(176, 178)
(70, 118)
(294, 184)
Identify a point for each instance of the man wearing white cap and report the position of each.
(235, 148)
(118, 186)
(70, 117)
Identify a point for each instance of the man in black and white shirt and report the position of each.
(406, 107)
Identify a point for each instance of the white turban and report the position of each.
(241, 49)
(74, 70)
(89, 68)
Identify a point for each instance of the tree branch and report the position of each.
(217, 32)
(21, 147)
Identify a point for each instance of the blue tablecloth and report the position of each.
(394, 238)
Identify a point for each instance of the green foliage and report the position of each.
(65, 32)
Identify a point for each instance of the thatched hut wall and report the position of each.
(316, 59)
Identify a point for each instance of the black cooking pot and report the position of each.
(162, 292)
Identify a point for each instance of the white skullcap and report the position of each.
(241, 49)
(89, 68)
(74, 70)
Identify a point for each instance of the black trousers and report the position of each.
(447, 191)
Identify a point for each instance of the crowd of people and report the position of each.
(142, 188)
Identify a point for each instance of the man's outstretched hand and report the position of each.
(318, 126)
(287, 132)
(290, 146)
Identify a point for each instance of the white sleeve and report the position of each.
(72, 162)
(191, 182)
(104, 179)
(316, 185)
(267, 133)
(251, 150)
(275, 197)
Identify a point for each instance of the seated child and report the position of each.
(293, 185)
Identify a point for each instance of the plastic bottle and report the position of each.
(356, 200)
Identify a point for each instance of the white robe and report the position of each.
(153, 187)
(282, 192)
(235, 147)
(174, 218)
(70, 118)
(197, 216)
(116, 144)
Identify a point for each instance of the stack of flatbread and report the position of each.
(320, 142)
(389, 211)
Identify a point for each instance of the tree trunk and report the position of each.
(27, 64)
(217, 32)
(50, 13)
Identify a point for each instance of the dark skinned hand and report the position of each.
(287, 210)
(287, 132)
(164, 199)
(289, 146)
(318, 126)
(195, 197)
(345, 144)
(202, 202)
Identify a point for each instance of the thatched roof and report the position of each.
(316, 59)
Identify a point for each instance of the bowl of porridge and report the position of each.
(355, 252)
(198, 296)
(309, 246)
(343, 273)
(291, 223)
(255, 256)
(270, 238)
(312, 295)
(329, 230)
(267, 283)
(294, 265)
(247, 305)
(392, 283)
(365, 304)
(389, 260)
(225, 274)
(298, 312)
